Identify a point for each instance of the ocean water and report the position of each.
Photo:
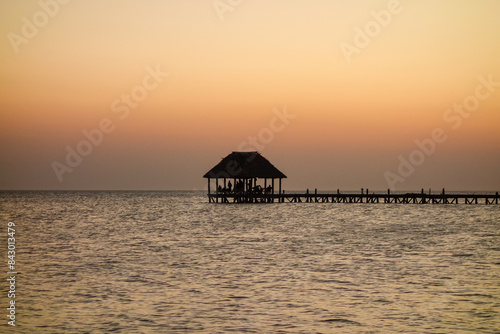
(169, 262)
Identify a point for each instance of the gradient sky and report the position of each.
(227, 77)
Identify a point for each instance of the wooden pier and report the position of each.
(253, 181)
(373, 198)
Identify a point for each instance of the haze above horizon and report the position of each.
(149, 95)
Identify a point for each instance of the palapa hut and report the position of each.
(244, 169)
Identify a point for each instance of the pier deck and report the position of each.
(397, 198)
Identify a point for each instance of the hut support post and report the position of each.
(208, 186)
(280, 191)
(217, 190)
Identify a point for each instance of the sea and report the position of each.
(170, 262)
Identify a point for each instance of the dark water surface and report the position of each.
(169, 262)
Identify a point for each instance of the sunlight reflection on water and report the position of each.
(170, 262)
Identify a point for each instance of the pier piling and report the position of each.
(363, 197)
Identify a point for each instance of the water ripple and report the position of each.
(166, 262)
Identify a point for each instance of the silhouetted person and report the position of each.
(229, 186)
(238, 187)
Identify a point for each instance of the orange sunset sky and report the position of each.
(68, 66)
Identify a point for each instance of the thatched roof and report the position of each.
(244, 165)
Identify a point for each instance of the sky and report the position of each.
(337, 94)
